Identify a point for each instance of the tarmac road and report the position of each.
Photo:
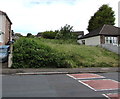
(57, 85)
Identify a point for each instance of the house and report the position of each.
(5, 28)
(16, 36)
(107, 34)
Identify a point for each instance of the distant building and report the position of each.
(16, 36)
(78, 33)
(39, 34)
(5, 28)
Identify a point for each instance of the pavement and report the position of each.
(40, 71)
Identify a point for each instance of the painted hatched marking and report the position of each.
(99, 85)
(112, 95)
(84, 76)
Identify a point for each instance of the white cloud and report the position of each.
(40, 15)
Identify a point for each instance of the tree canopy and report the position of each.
(105, 15)
(49, 34)
(30, 35)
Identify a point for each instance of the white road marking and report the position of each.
(71, 76)
(87, 85)
(106, 95)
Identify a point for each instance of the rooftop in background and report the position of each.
(78, 32)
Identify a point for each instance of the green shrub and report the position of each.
(30, 54)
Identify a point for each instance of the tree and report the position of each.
(65, 32)
(18, 35)
(49, 34)
(105, 15)
(12, 33)
(29, 35)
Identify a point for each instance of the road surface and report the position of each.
(99, 85)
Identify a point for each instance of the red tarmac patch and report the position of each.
(99, 85)
(85, 76)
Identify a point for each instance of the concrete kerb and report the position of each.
(50, 71)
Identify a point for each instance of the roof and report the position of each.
(3, 13)
(103, 30)
(78, 32)
(110, 30)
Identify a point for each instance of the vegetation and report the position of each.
(65, 32)
(49, 34)
(54, 53)
(105, 15)
(30, 35)
(17, 34)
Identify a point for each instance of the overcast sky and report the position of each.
(33, 16)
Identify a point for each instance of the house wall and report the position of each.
(5, 27)
(118, 39)
(7, 31)
(2, 29)
(91, 41)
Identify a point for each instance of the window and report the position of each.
(83, 42)
(111, 40)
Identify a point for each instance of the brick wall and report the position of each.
(7, 31)
(5, 26)
(1, 43)
(102, 39)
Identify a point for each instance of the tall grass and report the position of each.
(86, 56)
(65, 54)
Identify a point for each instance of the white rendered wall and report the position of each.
(91, 41)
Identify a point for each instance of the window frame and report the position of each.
(111, 40)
